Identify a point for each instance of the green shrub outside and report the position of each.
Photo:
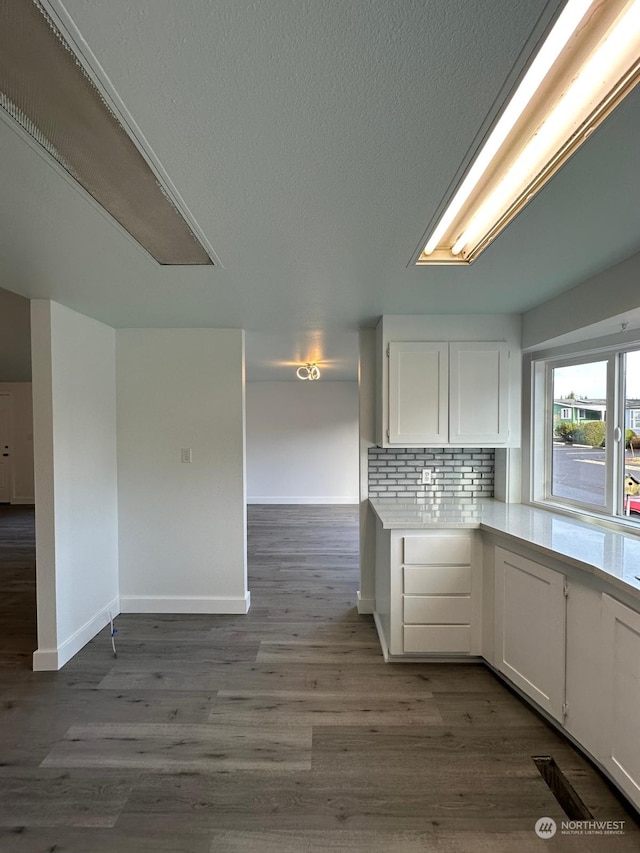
(566, 431)
(592, 433)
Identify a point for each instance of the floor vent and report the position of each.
(561, 788)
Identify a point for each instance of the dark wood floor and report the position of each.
(18, 634)
(282, 731)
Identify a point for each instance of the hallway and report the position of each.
(17, 587)
(282, 731)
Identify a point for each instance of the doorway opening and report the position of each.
(18, 622)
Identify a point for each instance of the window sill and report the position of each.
(617, 523)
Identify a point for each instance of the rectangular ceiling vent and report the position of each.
(46, 90)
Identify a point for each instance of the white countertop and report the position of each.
(613, 556)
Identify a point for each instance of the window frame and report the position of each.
(610, 449)
(538, 470)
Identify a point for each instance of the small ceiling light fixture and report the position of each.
(308, 371)
(588, 63)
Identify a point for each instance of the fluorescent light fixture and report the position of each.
(48, 93)
(587, 64)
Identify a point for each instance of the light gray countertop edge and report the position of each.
(612, 556)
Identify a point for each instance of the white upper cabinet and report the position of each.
(448, 380)
(448, 393)
(478, 393)
(418, 393)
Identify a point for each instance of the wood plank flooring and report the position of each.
(282, 731)
(18, 639)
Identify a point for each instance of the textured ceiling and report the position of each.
(313, 141)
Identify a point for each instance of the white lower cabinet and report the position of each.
(575, 651)
(621, 688)
(584, 694)
(558, 635)
(432, 604)
(436, 599)
(530, 629)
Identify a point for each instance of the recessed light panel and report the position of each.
(45, 89)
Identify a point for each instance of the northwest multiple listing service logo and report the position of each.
(546, 827)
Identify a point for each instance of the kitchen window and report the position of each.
(588, 461)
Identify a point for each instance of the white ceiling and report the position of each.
(313, 141)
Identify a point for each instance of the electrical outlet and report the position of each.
(185, 454)
(427, 474)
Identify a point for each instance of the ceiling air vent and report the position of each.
(46, 90)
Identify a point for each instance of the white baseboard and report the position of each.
(28, 501)
(320, 500)
(185, 604)
(366, 605)
(381, 637)
(54, 659)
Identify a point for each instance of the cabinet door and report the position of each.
(530, 638)
(621, 687)
(479, 393)
(418, 394)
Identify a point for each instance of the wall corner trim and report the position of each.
(45, 660)
(366, 605)
(54, 659)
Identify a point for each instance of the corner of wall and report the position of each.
(508, 475)
(53, 659)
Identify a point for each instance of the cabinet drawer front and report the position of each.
(425, 580)
(437, 638)
(437, 609)
(437, 550)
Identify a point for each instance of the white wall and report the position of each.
(182, 526)
(567, 317)
(75, 476)
(21, 440)
(302, 442)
